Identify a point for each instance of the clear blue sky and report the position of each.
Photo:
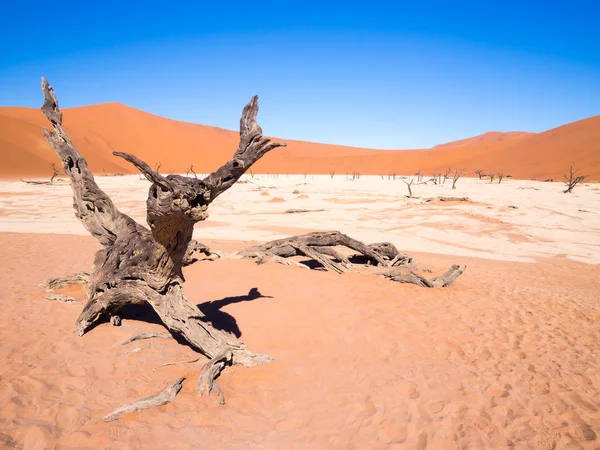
(377, 74)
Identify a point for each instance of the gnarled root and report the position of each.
(405, 275)
(160, 399)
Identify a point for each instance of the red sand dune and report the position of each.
(99, 130)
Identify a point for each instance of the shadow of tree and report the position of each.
(222, 320)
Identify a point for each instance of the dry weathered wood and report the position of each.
(457, 174)
(296, 211)
(139, 337)
(210, 371)
(572, 180)
(160, 399)
(288, 247)
(319, 245)
(447, 199)
(141, 265)
(408, 185)
(69, 280)
(61, 298)
(405, 275)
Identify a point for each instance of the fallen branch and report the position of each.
(139, 337)
(166, 396)
(320, 247)
(69, 280)
(61, 298)
(405, 275)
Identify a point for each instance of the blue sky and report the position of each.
(387, 75)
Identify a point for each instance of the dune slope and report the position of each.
(98, 130)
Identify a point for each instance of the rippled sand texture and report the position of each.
(506, 358)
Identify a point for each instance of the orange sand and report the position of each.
(99, 130)
(506, 358)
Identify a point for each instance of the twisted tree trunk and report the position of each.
(141, 265)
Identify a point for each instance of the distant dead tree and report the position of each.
(419, 176)
(492, 176)
(251, 173)
(480, 173)
(55, 172)
(305, 175)
(191, 170)
(447, 174)
(500, 177)
(409, 184)
(355, 176)
(331, 173)
(392, 176)
(572, 179)
(457, 175)
(157, 166)
(434, 178)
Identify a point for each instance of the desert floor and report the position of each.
(508, 357)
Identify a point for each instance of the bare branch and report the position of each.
(572, 179)
(252, 147)
(457, 175)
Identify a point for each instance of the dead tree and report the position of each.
(492, 176)
(434, 178)
(191, 170)
(156, 166)
(480, 173)
(500, 177)
(457, 175)
(447, 174)
(321, 248)
(419, 176)
(55, 172)
(140, 265)
(392, 176)
(572, 180)
(409, 184)
(331, 173)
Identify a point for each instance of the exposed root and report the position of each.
(164, 397)
(189, 361)
(69, 280)
(61, 298)
(320, 247)
(447, 199)
(141, 336)
(210, 371)
(405, 275)
(198, 247)
(135, 350)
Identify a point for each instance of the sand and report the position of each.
(505, 358)
(98, 130)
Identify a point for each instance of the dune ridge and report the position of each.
(98, 130)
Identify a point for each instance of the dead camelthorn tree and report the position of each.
(157, 166)
(480, 173)
(191, 170)
(500, 177)
(457, 175)
(434, 178)
(572, 179)
(55, 172)
(144, 265)
(409, 184)
(492, 176)
(419, 176)
(331, 173)
(392, 176)
(447, 174)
